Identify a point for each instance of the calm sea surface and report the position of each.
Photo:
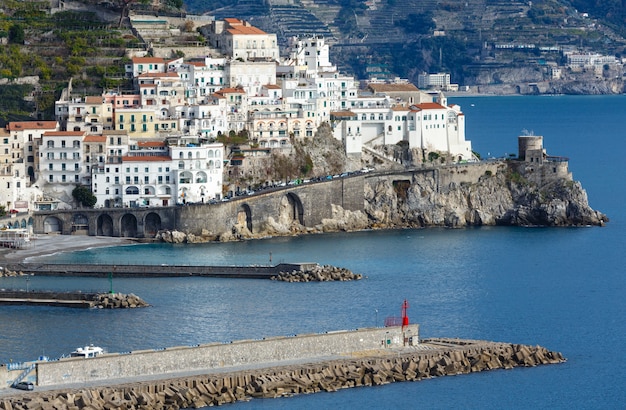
(562, 288)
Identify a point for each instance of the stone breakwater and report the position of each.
(118, 301)
(432, 358)
(72, 299)
(318, 273)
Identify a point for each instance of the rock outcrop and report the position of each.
(510, 192)
(506, 196)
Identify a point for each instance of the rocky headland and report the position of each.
(488, 193)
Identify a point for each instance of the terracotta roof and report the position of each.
(399, 108)
(156, 75)
(92, 99)
(391, 88)
(64, 133)
(150, 143)
(197, 63)
(146, 158)
(272, 87)
(430, 106)
(236, 26)
(342, 114)
(230, 90)
(243, 30)
(95, 138)
(31, 125)
(141, 60)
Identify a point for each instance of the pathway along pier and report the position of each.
(249, 271)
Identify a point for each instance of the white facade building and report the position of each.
(198, 170)
(61, 158)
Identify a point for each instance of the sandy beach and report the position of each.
(42, 245)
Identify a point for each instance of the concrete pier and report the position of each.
(71, 299)
(100, 270)
(367, 367)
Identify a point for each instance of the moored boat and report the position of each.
(87, 351)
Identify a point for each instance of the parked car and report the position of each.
(24, 386)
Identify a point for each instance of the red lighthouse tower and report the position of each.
(405, 318)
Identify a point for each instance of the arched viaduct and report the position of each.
(307, 204)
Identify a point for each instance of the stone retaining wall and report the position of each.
(442, 357)
(221, 355)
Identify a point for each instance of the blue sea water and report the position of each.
(562, 288)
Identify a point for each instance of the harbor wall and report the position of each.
(103, 270)
(437, 358)
(223, 355)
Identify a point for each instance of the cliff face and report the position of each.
(502, 195)
(507, 193)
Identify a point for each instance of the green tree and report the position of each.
(16, 34)
(84, 196)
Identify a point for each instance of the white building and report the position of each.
(61, 158)
(239, 39)
(141, 65)
(153, 173)
(430, 126)
(198, 172)
(438, 80)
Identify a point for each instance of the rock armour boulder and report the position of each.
(320, 273)
(118, 301)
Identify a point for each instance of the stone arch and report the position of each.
(128, 226)
(23, 223)
(104, 225)
(244, 216)
(52, 224)
(80, 224)
(152, 224)
(292, 209)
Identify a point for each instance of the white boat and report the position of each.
(87, 351)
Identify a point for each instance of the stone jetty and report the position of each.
(317, 273)
(430, 358)
(72, 299)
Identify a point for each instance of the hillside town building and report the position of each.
(156, 145)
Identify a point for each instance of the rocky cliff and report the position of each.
(509, 193)
(501, 195)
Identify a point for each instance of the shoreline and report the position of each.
(45, 245)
